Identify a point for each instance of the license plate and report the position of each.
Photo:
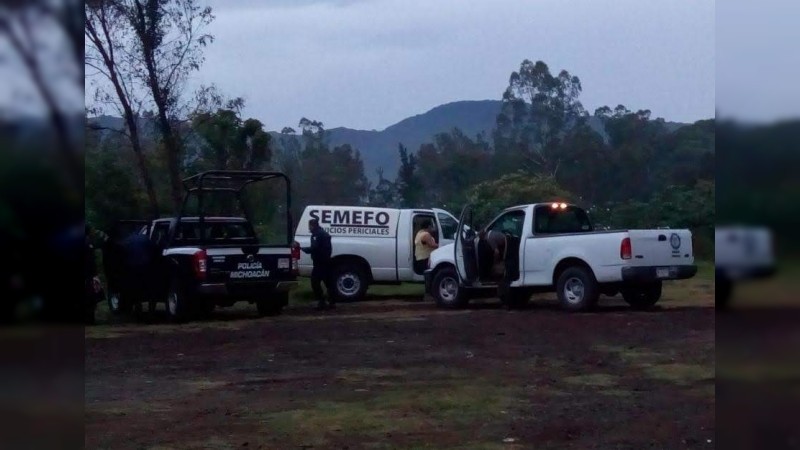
(662, 272)
(283, 263)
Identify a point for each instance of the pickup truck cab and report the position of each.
(553, 246)
(371, 245)
(196, 263)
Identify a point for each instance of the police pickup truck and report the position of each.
(196, 263)
(554, 247)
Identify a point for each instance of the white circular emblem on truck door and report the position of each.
(675, 241)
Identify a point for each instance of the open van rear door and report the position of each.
(465, 246)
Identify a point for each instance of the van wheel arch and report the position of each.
(353, 260)
(352, 265)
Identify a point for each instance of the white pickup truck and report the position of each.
(371, 245)
(741, 253)
(554, 246)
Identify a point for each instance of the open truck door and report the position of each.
(465, 246)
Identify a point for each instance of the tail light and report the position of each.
(295, 260)
(200, 264)
(625, 250)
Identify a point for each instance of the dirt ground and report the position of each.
(404, 374)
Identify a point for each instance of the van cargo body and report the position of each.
(371, 245)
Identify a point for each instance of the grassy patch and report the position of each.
(633, 356)
(394, 411)
(680, 373)
(593, 380)
(705, 270)
(205, 385)
(655, 365)
(366, 375)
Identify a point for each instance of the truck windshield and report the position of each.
(548, 220)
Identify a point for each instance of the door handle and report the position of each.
(662, 237)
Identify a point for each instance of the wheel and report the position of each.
(642, 297)
(177, 302)
(516, 298)
(349, 282)
(723, 292)
(273, 305)
(577, 289)
(446, 289)
(118, 304)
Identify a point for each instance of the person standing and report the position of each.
(424, 244)
(320, 251)
(497, 242)
(92, 287)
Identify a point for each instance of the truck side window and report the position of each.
(160, 234)
(511, 223)
(449, 226)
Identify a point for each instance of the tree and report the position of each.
(230, 143)
(118, 198)
(106, 37)
(167, 42)
(319, 174)
(384, 194)
(636, 143)
(451, 165)
(585, 166)
(409, 186)
(491, 197)
(538, 111)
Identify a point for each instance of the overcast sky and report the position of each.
(370, 63)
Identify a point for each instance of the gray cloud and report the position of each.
(368, 64)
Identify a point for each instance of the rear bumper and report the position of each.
(221, 289)
(649, 274)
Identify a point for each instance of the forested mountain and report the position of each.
(379, 148)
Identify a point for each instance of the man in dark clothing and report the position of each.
(92, 286)
(320, 251)
(139, 253)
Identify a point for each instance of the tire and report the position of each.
(273, 305)
(642, 297)
(177, 303)
(349, 282)
(723, 290)
(577, 289)
(118, 304)
(447, 290)
(517, 298)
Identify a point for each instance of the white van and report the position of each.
(371, 245)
